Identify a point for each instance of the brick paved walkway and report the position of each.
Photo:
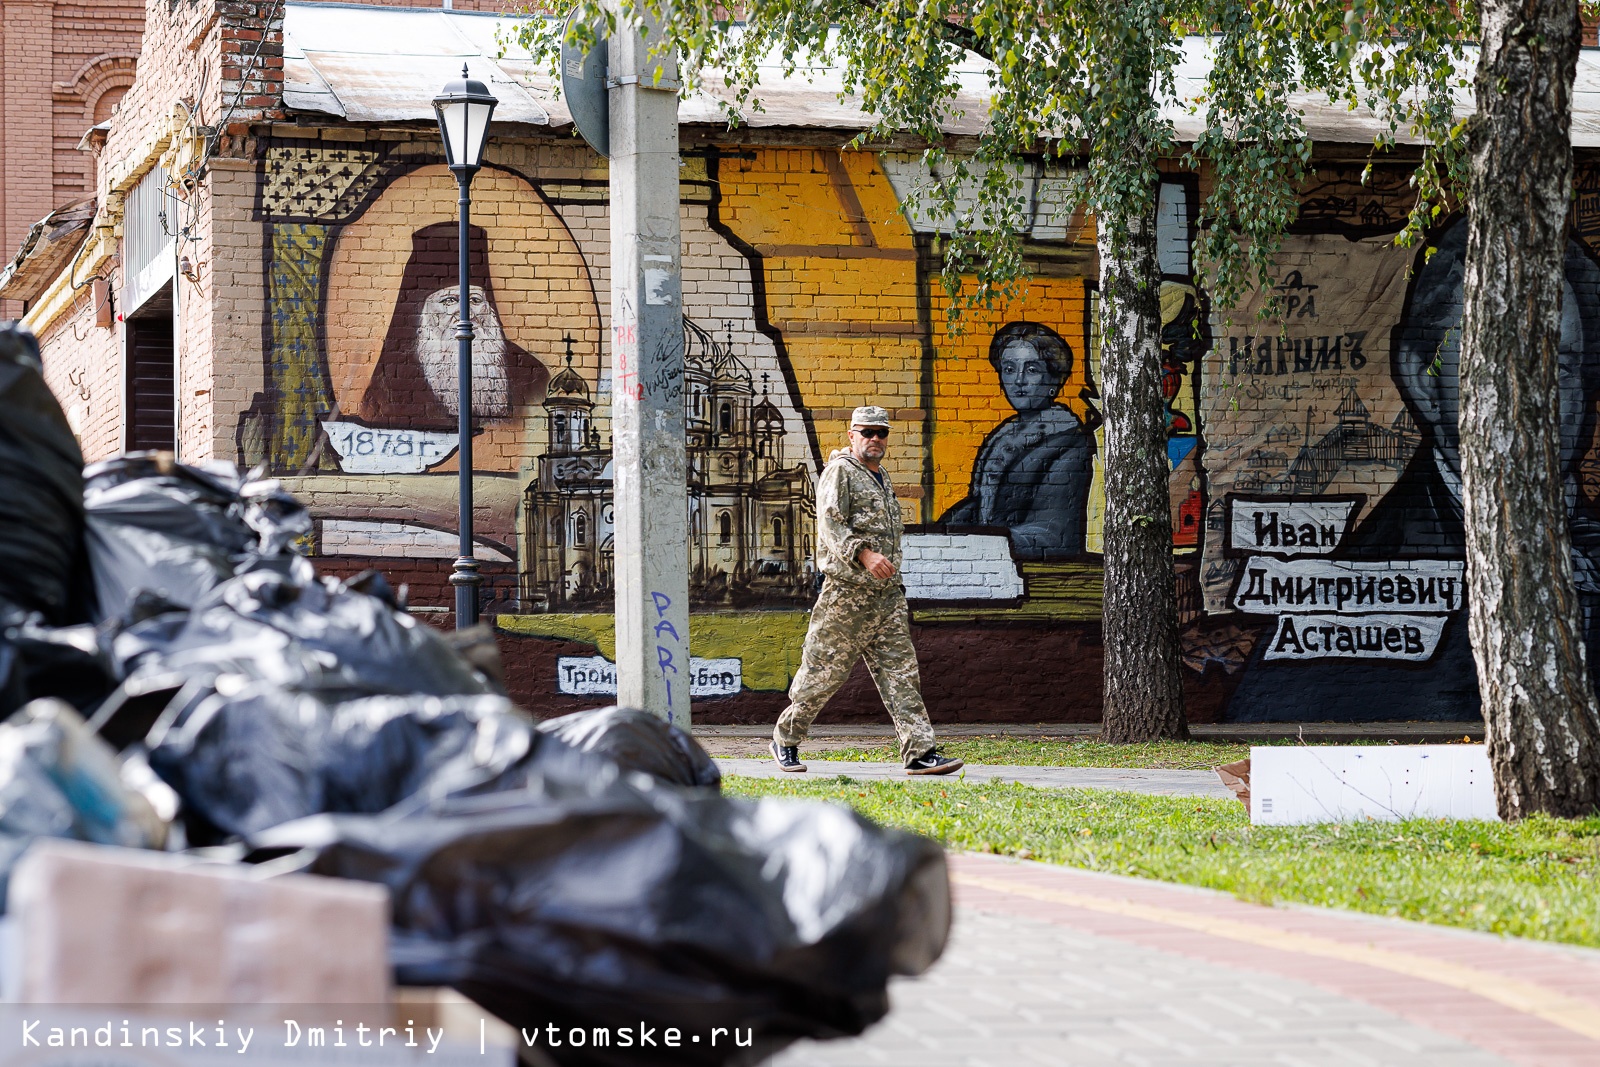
(1050, 965)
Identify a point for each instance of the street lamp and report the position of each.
(464, 108)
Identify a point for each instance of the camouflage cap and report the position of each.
(869, 415)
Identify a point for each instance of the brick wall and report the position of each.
(229, 285)
(209, 70)
(66, 64)
(207, 61)
(303, 246)
(940, 566)
(26, 124)
(219, 309)
(83, 364)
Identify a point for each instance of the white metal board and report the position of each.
(1294, 786)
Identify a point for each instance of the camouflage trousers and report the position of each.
(851, 622)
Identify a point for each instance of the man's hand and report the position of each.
(877, 564)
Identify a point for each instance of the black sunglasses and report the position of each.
(874, 431)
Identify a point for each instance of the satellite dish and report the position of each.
(583, 85)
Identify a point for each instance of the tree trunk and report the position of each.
(1143, 686)
(1543, 730)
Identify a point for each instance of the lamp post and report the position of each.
(464, 108)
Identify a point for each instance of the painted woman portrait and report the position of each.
(414, 384)
(1033, 472)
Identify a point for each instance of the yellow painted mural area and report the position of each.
(768, 643)
(840, 268)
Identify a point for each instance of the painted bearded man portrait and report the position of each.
(414, 384)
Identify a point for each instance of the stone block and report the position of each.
(97, 925)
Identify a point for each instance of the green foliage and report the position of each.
(1537, 878)
(1406, 61)
(1087, 90)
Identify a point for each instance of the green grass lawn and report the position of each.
(1065, 752)
(1538, 879)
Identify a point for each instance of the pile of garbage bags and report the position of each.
(175, 675)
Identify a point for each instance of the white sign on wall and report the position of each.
(1280, 526)
(1335, 608)
(946, 566)
(1355, 587)
(597, 676)
(1395, 636)
(369, 450)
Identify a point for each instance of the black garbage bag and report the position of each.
(72, 663)
(263, 755)
(42, 556)
(253, 704)
(286, 626)
(637, 741)
(579, 895)
(178, 530)
(161, 527)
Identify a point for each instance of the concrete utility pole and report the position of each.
(652, 511)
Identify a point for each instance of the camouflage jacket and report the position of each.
(854, 512)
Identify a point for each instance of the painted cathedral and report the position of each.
(752, 509)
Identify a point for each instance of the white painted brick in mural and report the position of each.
(359, 537)
(959, 567)
(1172, 229)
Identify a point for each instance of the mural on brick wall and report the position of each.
(413, 382)
(1333, 463)
(751, 504)
(1315, 478)
(798, 308)
(1306, 430)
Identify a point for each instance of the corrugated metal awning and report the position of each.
(373, 64)
(49, 246)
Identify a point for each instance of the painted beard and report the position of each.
(437, 354)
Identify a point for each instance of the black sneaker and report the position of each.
(787, 756)
(931, 762)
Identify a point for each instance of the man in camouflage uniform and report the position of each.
(861, 611)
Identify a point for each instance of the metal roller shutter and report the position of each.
(151, 420)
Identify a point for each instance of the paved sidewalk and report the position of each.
(1158, 783)
(1245, 732)
(1051, 965)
